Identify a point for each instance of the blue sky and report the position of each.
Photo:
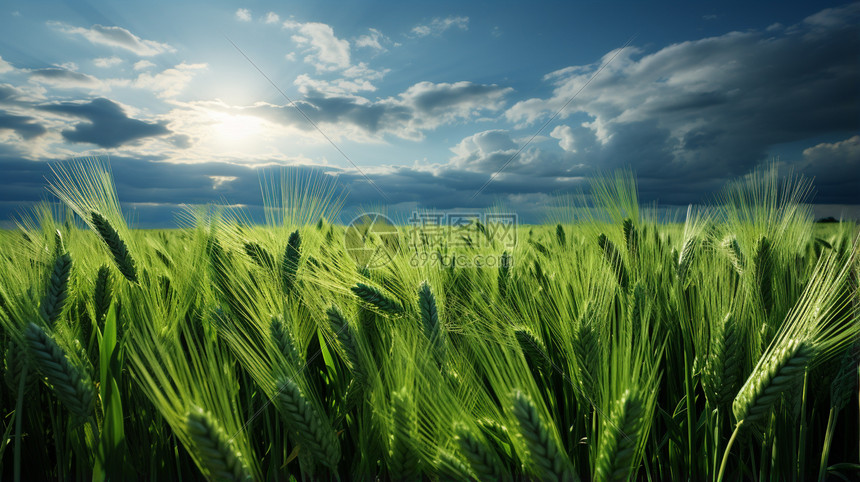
(429, 99)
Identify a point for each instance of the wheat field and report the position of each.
(609, 344)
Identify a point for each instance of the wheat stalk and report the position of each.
(219, 459)
(313, 430)
(58, 289)
(781, 371)
(377, 298)
(116, 245)
(560, 236)
(544, 451)
(619, 438)
(72, 385)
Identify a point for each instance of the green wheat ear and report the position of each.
(213, 446)
(260, 255)
(430, 319)
(102, 293)
(614, 259)
(631, 237)
(283, 341)
(721, 375)
(619, 437)
(377, 298)
(116, 245)
(58, 289)
(550, 460)
(314, 432)
(14, 361)
(733, 250)
(764, 272)
(845, 380)
(347, 338)
(70, 383)
(504, 275)
(533, 349)
(290, 262)
(781, 372)
(484, 462)
(403, 457)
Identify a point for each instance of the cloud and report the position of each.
(115, 37)
(272, 17)
(169, 82)
(706, 110)
(439, 25)
(143, 65)
(107, 62)
(63, 78)
(325, 51)
(836, 169)
(243, 15)
(24, 126)
(374, 40)
(106, 123)
(423, 106)
(5, 66)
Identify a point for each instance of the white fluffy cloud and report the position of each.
(169, 82)
(272, 17)
(115, 37)
(374, 40)
(325, 51)
(243, 15)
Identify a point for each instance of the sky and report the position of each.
(428, 105)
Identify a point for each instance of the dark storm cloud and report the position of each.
(107, 123)
(24, 126)
(701, 112)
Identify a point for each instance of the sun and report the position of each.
(236, 130)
